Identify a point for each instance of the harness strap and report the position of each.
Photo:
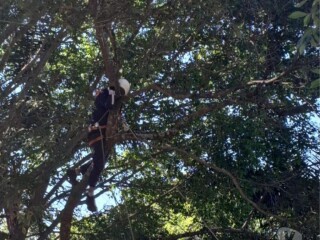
(93, 141)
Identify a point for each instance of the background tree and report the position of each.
(222, 142)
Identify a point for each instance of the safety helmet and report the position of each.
(125, 85)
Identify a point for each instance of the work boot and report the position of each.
(91, 204)
(72, 174)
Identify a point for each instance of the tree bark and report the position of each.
(73, 201)
(15, 227)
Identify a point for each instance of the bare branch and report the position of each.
(271, 80)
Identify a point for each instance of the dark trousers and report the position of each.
(99, 157)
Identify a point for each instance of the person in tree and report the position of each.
(105, 99)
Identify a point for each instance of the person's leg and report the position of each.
(73, 172)
(98, 159)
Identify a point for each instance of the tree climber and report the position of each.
(104, 101)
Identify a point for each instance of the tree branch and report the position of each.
(141, 136)
(223, 171)
(203, 231)
(72, 202)
(111, 68)
(271, 80)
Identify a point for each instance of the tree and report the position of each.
(220, 116)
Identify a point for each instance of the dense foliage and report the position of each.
(223, 115)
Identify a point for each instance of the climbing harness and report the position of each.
(97, 126)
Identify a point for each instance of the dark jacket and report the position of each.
(102, 105)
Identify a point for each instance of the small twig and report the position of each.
(245, 224)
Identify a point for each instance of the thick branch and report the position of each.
(73, 200)
(111, 68)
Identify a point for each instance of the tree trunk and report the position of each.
(73, 201)
(16, 229)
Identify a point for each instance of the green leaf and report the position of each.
(315, 84)
(302, 47)
(314, 43)
(316, 70)
(297, 14)
(300, 4)
(306, 20)
(316, 36)
(316, 21)
(315, 2)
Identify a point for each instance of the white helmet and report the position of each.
(125, 85)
